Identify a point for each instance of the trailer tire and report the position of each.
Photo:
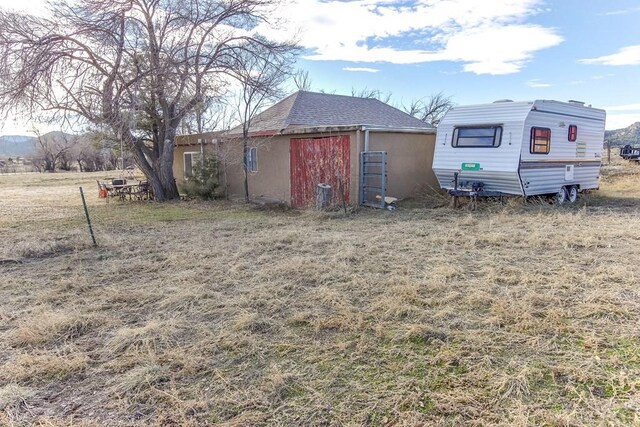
(561, 196)
(572, 194)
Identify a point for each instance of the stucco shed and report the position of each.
(310, 138)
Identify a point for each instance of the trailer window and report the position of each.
(479, 136)
(540, 141)
(573, 133)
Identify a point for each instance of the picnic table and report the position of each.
(122, 190)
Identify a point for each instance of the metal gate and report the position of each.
(373, 178)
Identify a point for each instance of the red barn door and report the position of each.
(319, 161)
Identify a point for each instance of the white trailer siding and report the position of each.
(498, 165)
(549, 180)
(568, 162)
(511, 168)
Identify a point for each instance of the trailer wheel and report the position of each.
(573, 194)
(561, 196)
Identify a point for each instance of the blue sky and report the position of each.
(476, 51)
(515, 49)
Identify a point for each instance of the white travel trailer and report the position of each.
(520, 148)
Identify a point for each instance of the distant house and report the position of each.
(312, 138)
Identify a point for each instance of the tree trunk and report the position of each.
(160, 175)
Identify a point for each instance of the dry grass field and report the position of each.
(191, 314)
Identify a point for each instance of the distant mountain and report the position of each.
(629, 135)
(17, 145)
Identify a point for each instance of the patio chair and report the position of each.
(142, 191)
(103, 192)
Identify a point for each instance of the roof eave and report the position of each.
(336, 128)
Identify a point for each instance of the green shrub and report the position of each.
(203, 182)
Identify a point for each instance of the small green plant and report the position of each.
(203, 181)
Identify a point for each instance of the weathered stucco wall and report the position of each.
(409, 164)
(409, 159)
(178, 160)
(272, 181)
(191, 143)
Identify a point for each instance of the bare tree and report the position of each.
(53, 151)
(372, 93)
(301, 80)
(430, 109)
(213, 116)
(260, 77)
(91, 153)
(135, 67)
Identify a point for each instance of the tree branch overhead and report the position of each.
(134, 67)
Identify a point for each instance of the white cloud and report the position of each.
(626, 107)
(361, 69)
(621, 116)
(621, 11)
(537, 83)
(629, 55)
(619, 121)
(492, 39)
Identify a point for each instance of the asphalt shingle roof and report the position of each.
(311, 109)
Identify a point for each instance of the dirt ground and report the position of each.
(189, 313)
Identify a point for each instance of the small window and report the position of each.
(190, 160)
(477, 136)
(251, 159)
(540, 141)
(573, 133)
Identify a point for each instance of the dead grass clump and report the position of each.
(137, 380)
(131, 297)
(400, 300)
(44, 249)
(33, 368)
(252, 322)
(425, 334)
(444, 274)
(388, 308)
(280, 386)
(344, 319)
(513, 384)
(602, 310)
(150, 338)
(302, 318)
(505, 275)
(49, 327)
(13, 396)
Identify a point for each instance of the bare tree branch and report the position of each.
(261, 72)
(430, 109)
(135, 67)
(372, 93)
(301, 80)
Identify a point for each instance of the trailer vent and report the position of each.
(573, 101)
(499, 101)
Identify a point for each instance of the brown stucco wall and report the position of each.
(178, 160)
(409, 159)
(272, 181)
(191, 143)
(409, 164)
